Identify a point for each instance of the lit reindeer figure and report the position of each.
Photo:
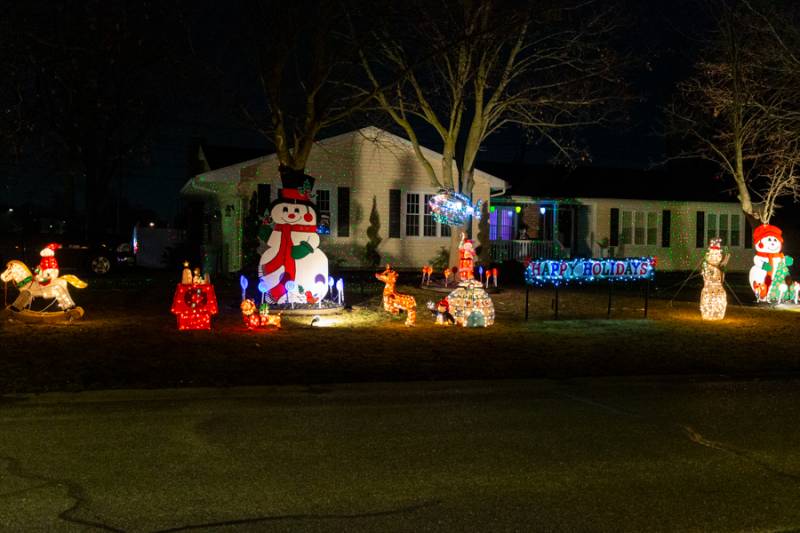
(393, 301)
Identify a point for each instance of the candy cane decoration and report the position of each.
(494, 275)
(427, 270)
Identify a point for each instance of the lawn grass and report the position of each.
(128, 338)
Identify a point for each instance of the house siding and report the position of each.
(682, 253)
(370, 170)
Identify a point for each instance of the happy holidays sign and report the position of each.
(588, 270)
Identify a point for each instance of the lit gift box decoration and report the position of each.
(194, 302)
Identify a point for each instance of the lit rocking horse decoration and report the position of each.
(393, 301)
(32, 286)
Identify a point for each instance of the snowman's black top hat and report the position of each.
(297, 187)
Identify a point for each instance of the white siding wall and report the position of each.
(369, 170)
(683, 253)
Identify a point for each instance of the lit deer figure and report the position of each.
(393, 301)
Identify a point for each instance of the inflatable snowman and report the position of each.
(293, 268)
(768, 243)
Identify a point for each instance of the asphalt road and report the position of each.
(578, 455)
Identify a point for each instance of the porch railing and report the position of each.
(520, 250)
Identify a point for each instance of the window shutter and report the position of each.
(613, 238)
(394, 213)
(748, 234)
(699, 240)
(343, 212)
(666, 227)
(264, 190)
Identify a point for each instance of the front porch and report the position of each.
(522, 228)
(519, 250)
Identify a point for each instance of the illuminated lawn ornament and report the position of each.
(427, 270)
(558, 271)
(453, 208)
(471, 305)
(255, 316)
(393, 301)
(781, 289)
(194, 303)
(258, 316)
(441, 311)
(243, 283)
(713, 300)
(29, 289)
(293, 253)
(466, 259)
(447, 275)
(491, 273)
(340, 291)
(769, 263)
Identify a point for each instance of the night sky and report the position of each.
(663, 39)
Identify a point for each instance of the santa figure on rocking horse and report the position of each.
(43, 282)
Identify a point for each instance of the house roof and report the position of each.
(225, 156)
(231, 174)
(697, 182)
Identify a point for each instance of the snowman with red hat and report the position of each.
(47, 270)
(292, 267)
(768, 243)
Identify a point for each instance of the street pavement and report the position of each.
(682, 454)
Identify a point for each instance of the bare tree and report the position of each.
(472, 68)
(739, 108)
(306, 64)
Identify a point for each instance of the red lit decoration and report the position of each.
(194, 304)
(466, 259)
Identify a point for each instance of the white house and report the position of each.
(676, 232)
(594, 212)
(352, 171)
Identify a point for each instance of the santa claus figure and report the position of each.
(466, 259)
(47, 270)
(293, 253)
(768, 243)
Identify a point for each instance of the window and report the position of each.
(323, 198)
(639, 228)
(652, 228)
(627, 228)
(428, 222)
(725, 226)
(412, 215)
(421, 217)
(343, 212)
(501, 224)
(394, 213)
(735, 230)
